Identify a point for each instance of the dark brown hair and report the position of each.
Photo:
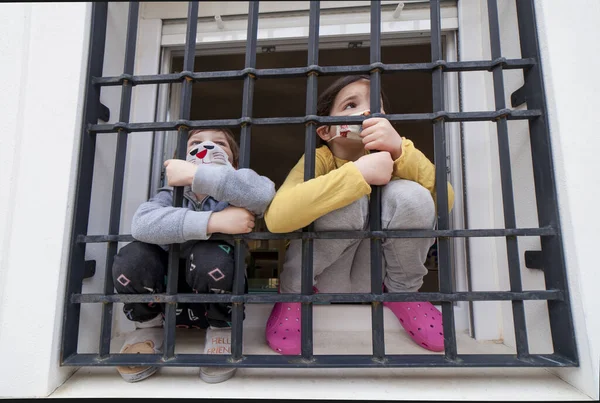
(327, 98)
(233, 145)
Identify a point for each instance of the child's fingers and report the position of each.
(371, 141)
(166, 163)
(371, 122)
(367, 132)
(373, 145)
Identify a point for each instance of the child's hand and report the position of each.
(179, 172)
(376, 168)
(379, 134)
(231, 220)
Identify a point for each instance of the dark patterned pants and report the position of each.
(141, 268)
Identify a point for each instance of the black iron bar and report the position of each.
(454, 233)
(85, 175)
(118, 177)
(182, 134)
(290, 72)
(551, 295)
(325, 120)
(445, 272)
(377, 330)
(310, 143)
(326, 361)
(512, 247)
(237, 311)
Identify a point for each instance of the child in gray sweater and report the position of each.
(218, 198)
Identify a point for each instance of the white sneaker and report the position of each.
(156, 322)
(141, 341)
(218, 341)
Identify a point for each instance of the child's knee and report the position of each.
(134, 261)
(291, 276)
(351, 217)
(210, 265)
(407, 205)
(290, 281)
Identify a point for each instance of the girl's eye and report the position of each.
(350, 105)
(221, 143)
(194, 143)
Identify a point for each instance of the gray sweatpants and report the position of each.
(344, 265)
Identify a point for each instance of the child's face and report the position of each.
(216, 137)
(353, 98)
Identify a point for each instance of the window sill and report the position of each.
(337, 383)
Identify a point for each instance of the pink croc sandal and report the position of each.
(283, 328)
(422, 321)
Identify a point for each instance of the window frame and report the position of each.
(567, 356)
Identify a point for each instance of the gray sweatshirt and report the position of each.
(158, 222)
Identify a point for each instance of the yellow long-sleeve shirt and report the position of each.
(338, 183)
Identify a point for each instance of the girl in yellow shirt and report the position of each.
(337, 199)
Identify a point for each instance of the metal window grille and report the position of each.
(551, 257)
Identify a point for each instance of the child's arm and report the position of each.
(242, 187)
(415, 166)
(298, 203)
(409, 163)
(158, 222)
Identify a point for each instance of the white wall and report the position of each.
(569, 45)
(41, 126)
(44, 51)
